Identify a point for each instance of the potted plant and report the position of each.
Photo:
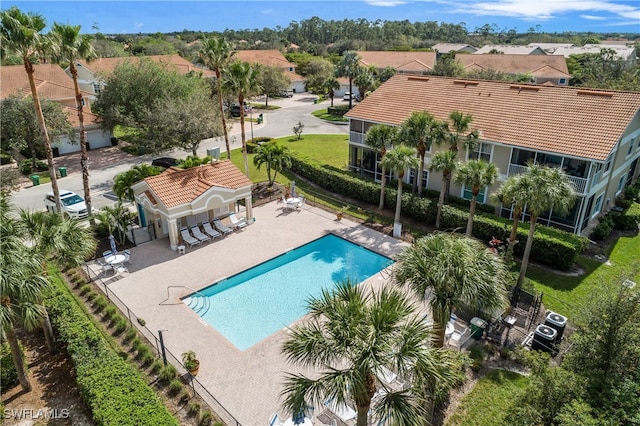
(340, 213)
(190, 362)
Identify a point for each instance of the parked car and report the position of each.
(235, 110)
(73, 205)
(164, 162)
(287, 94)
(348, 95)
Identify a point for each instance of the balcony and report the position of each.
(579, 184)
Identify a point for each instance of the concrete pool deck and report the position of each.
(247, 383)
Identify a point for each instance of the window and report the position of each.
(623, 178)
(598, 206)
(467, 194)
(481, 151)
(96, 88)
(562, 81)
(608, 165)
(425, 177)
(521, 156)
(630, 147)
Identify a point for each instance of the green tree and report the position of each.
(21, 285)
(513, 193)
(70, 46)
(349, 67)
(399, 159)
(365, 81)
(445, 162)
(317, 71)
(242, 81)
(337, 343)
(20, 33)
(329, 86)
(122, 182)
(447, 66)
(216, 53)
(475, 174)
(549, 190)
(420, 131)
(381, 137)
(275, 157)
(273, 82)
(460, 134)
(452, 270)
(117, 219)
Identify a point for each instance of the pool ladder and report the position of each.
(198, 302)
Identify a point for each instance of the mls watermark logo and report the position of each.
(39, 414)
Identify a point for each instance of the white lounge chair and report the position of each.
(237, 222)
(127, 256)
(210, 231)
(187, 238)
(195, 230)
(341, 410)
(274, 420)
(121, 268)
(222, 227)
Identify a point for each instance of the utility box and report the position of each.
(214, 153)
(478, 326)
(557, 322)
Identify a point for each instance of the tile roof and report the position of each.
(623, 52)
(401, 61)
(51, 80)
(517, 64)
(176, 186)
(510, 48)
(451, 47)
(270, 58)
(567, 120)
(90, 119)
(107, 65)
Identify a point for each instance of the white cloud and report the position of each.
(267, 11)
(387, 3)
(593, 18)
(138, 25)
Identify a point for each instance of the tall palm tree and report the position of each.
(420, 131)
(21, 285)
(329, 86)
(461, 133)
(69, 46)
(399, 159)
(475, 174)
(379, 137)
(215, 54)
(549, 189)
(242, 81)
(20, 33)
(353, 335)
(349, 67)
(63, 240)
(513, 193)
(275, 157)
(445, 162)
(452, 270)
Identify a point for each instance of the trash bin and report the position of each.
(35, 179)
(260, 119)
(478, 326)
(63, 171)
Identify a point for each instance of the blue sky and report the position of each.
(166, 16)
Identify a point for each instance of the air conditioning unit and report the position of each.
(544, 338)
(557, 322)
(214, 153)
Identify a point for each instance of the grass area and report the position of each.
(565, 294)
(489, 400)
(322, 114)
(263, 106)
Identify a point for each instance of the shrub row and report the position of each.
(111, 387)
(551, 246)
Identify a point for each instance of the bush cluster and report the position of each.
(110, 386)
(8, 374)
(551, 246)
(26, 167)
(253, 144)
(5, 159)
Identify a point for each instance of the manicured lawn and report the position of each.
(566, 294)
(322, 114)
(487, 403)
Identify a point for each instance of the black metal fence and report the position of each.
(139, 324)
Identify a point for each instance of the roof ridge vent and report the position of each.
(416, 78)
(466, 82)
(595, 93)
(521, 87)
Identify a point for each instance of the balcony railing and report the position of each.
(356, 137)
(579, 184)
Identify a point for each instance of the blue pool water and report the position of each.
(256, 303)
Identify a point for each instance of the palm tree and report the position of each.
(61, 239)
(419, 131)
(379, 137)
(122, 182)
(215, 54)
(21, 285)
(349, 66)
(20, 33)
(475, 174)
(549, 189)
(329, 86)
(461, 123)
(353, 335)
(275, 157)
(452, 270)
(513, 192)
(242, 81)
(399, 159)
(69, 46)
(445, 162)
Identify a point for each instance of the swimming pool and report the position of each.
(250, 306)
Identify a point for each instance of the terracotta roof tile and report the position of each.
(510, 48)
(573, 121)
(107, 65)
(403, 61)
(181, 186)
(268, 58)
(51, 80)
(516, 64)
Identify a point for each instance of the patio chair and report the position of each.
(187, 238)
(106, 267)
(208, 229)
(107, 253)
(222, 227)
(121, 268)
(342, 410)
(237, 222)
(195, 230)
(127, 256)
(274, 420)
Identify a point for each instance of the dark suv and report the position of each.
(164, 162)
(235, 110)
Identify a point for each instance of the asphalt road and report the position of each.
(107, 163)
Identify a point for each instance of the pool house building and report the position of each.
(593, 135)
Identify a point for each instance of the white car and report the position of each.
(73, 205)
(348, 95)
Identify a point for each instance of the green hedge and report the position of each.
(8, 374)
(551, 246)
(627, 220)
(112, 388)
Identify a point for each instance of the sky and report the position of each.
(117, 17)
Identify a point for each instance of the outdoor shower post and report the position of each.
(162, 350)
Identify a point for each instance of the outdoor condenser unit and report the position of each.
(214, 153)
(544, 338)
(557, 322)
